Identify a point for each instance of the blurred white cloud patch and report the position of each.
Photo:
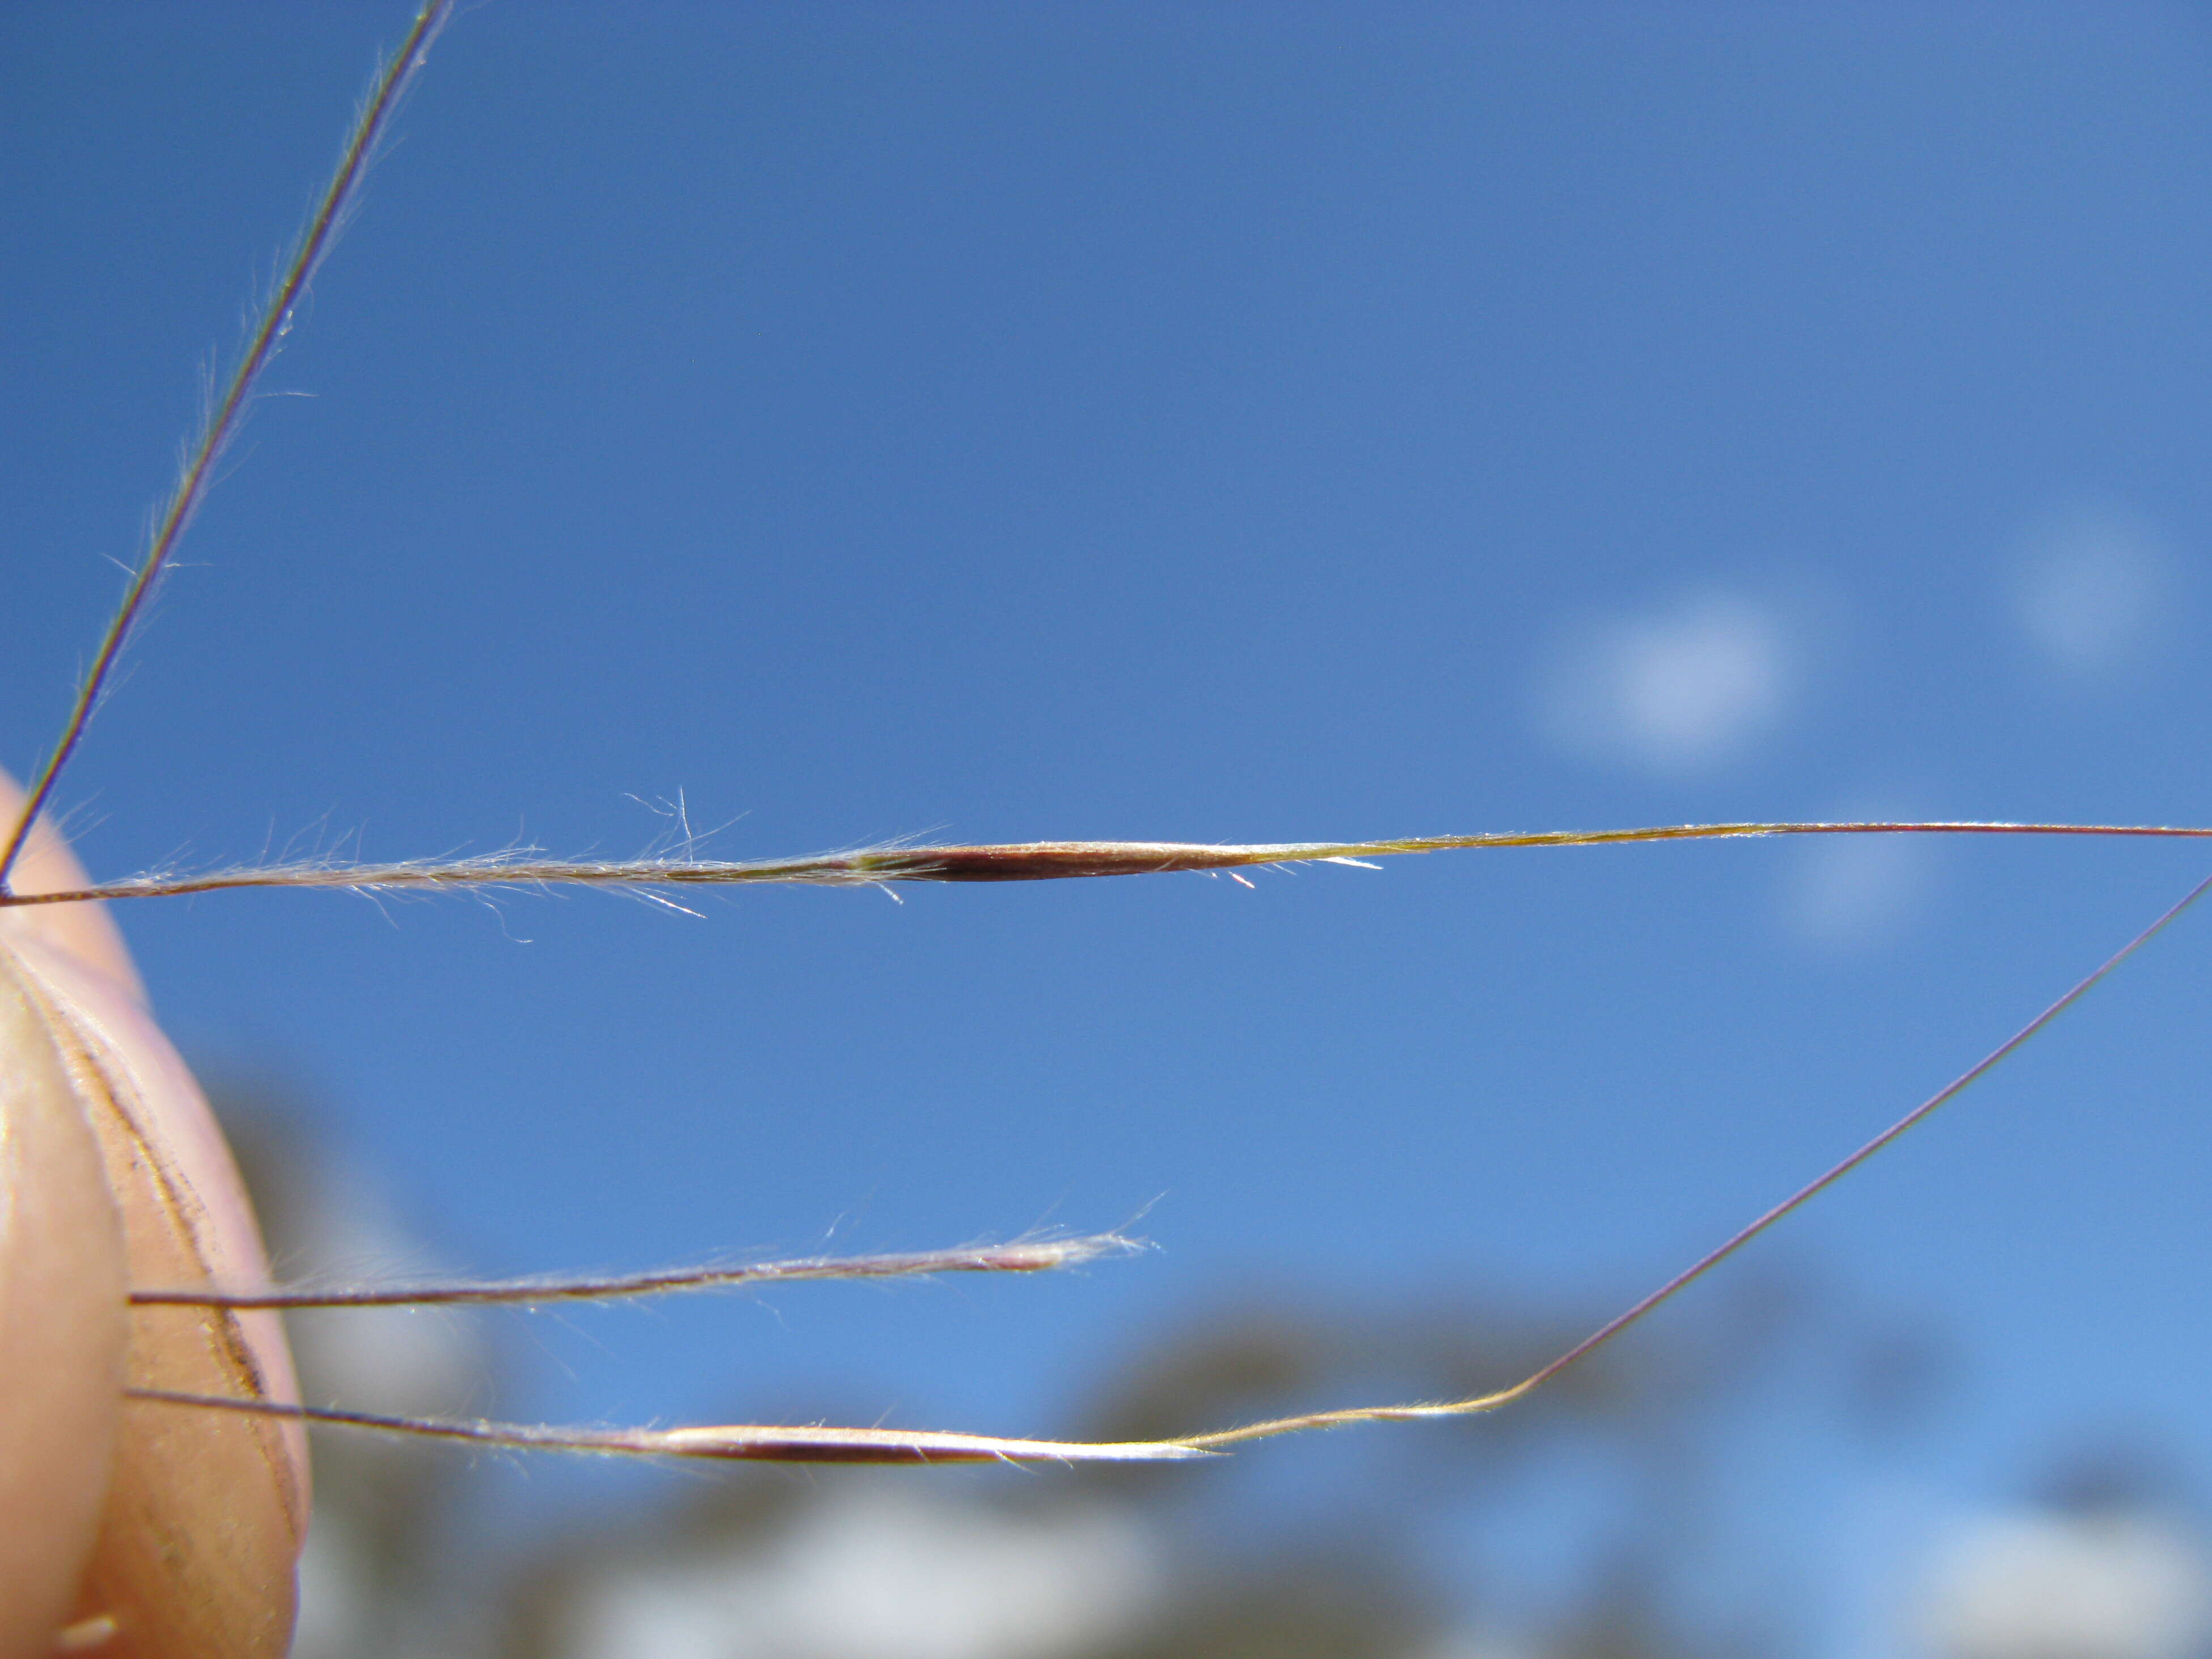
(2092, 593)
(879, 1572)
(2107, 1584)
(1677, 691)
(1847, 893)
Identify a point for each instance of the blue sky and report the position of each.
(1182, 423)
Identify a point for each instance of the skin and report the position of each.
(133, 1530)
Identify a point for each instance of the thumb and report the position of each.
(196, 1516)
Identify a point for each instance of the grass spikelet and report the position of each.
(1036, 861)
(1022, 1257)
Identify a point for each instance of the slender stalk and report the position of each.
(1713, 1258)
(230, 412)
(1039, 860)
(1022, 1256)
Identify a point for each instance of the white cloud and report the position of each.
(1854, 892)
(881, 1572)
(2091, 592)
(2099, 1586)
(1682, 690)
